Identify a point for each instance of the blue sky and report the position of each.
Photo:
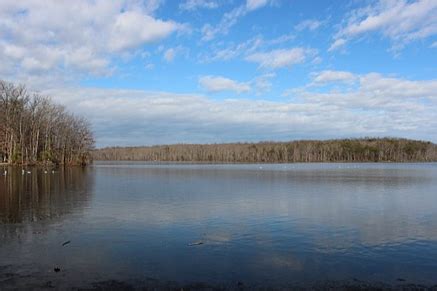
(205, 71)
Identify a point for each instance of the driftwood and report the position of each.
(197, 243)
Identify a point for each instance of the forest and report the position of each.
(341, 150)
(34, 130)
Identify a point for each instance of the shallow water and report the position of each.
(264, 225)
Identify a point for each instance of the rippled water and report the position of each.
(264, 225)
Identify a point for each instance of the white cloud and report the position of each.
(396, 88)
(434, 45)
(329, 76)
(375, 92)
(228, 51)
(399, 20)
(260, 84)
(133, 28)
(377, 106)
(263, 83)
(229, 19)
(256, 4)
(310, 24)
(128, 117)
(149, 66)
(338, 43)
(280, 57)
(233, 51)
(169, 54)
(219, 83)
(191, 5)
(68, 37)
(317, 60)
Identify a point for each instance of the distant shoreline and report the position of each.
(157, 284)
(255, 163)
(369, 150)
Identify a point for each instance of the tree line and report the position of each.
(34, 130)
(342, 150)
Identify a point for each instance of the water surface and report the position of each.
(263, 225)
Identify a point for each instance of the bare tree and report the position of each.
(344, 150)
(35, 130)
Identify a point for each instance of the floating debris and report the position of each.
(197, 243)
(56, 269)
(66, 243)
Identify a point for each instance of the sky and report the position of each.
(147, 72)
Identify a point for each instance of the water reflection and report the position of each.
(264, 224)
(365, 204)
(36, 194)
(287, 222)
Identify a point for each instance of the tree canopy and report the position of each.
(35, 130)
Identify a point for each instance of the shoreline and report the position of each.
(299, 151)
(346, 285)
(15, 281)
(42, 165)
(264, 163)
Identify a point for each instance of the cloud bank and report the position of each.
(386, 106)
(219, 83)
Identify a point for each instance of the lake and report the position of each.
(258, 225)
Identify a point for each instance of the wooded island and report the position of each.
(341, 150)
(34, 130)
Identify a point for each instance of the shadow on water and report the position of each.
(34, 204)
(36, 194)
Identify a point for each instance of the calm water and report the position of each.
(264, 225)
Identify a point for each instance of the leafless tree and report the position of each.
(35, 130)
(344, 150)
